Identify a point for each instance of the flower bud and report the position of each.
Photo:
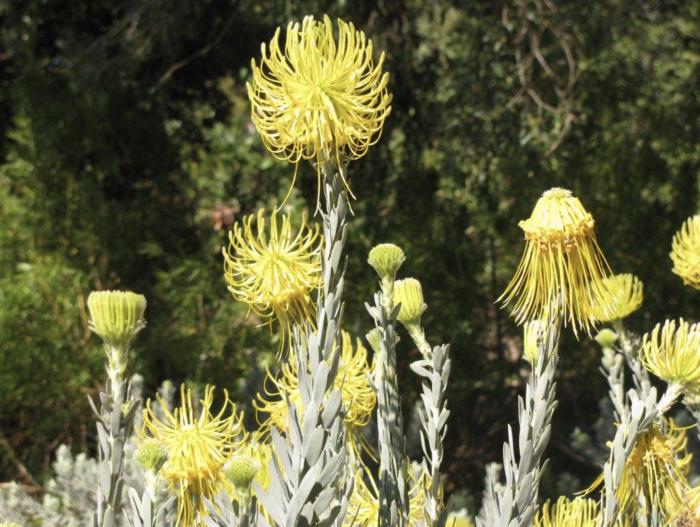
(606, 337)
(374, 338)
(386, 258)
(116, 316)
(409, 294)
(241, 471)
(151, 454)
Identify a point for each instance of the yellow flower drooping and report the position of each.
(359, 399)
(363, 508)
(198, 447)
(320, 96)
(275, 270)
(656, 469)
(562, 269)
(623, 296)
(685, 252)
(672, 353)
(579, 512)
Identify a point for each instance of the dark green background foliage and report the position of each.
(127, 152)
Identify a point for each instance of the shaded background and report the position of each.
(127, 152)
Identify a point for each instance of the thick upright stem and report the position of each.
(515, 503)
(311, 481)
(393, 487)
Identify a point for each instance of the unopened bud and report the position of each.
(116, 316)
(606, 337)
(241, 471)
(386, 258)
(151, 455)
(409, 294)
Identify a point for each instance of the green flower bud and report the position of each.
(116, 316)
(409, 294)
(386, 258)
(151, 454)
(241, 471)
(606, 337)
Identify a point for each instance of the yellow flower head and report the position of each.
(579, 512)
(657, 468)
(197, 447)
(320, 96)
(685, 252)
(116, 316)
(274, 271)
(623, 296)
(359, 399)
(672, 353)
(686, 512)
(363, 508)
(562, 268)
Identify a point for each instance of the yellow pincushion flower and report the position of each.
(623, 296)
(579, 512)
(198, 447)
(321, 96)
(363, 508)
(685, 252)
(672, 353)
(657, 468)
(359, 399)
(562, 268)
(274, 270)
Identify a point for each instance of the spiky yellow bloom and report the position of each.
(562, 269)
(579, 512)
(685, 252)
(623, 296)
(274, 270)
(686, 512)
(359, 399)
(656, 469)
(321, 96)
(672, 353)
(363, 508)
(198, 448)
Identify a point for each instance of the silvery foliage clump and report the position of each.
(311, 477)
(514, 503)
(69, 498)
(636, 411)
(434, 369)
